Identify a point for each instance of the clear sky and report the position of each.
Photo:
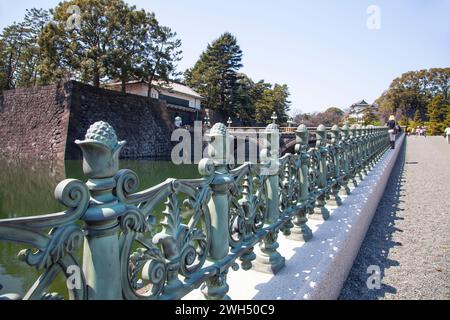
(323, 49)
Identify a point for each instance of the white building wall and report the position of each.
(142, 90)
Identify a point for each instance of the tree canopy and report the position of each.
(438, 111)
(20, 55)
(216, 76)
(420, 97)
(412, 92)
(329, 117)
(112, 41)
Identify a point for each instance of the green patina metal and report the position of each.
(230, 216)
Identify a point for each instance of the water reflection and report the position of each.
(27, 187)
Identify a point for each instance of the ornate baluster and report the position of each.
(268, 259)
(354, 156)
(368, 148)
(101, 249)
(336, 174)
(370, 164)
(375, 144)
(286, 186)
(216, 287)
(378, 144)
(301, 231)
(247, 192)
(359, 153)
(364, 170)
(344, 144)
(320, 211)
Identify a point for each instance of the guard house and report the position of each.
(357, 110)
(182, 101)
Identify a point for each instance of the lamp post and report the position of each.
(178, 122)
(206, 122)
(274, 118)
(291, 122)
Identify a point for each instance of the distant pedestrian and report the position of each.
(447, 134)
(392, 128)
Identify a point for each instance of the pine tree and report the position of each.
(215, 75)
(437, 112)
(128, 28)
(417, 118)
(281, 104)
(248, 93)
(160, 55)
(3, 80)
(13, 42)
(404, 120)
(447, 118)
(369, 117)
(79, 53)
(264, 106)
(113, 41)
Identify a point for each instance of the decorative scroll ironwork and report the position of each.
(167, 240)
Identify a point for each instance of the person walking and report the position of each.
(392, 128)
(447, 134)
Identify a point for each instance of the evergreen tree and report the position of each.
(272, 99)
(113, 41)
(215, 75)
(13, 42)
(19, 53)
(417, 118)
(264, 106)
(413, 91)
(161, 53)
(248, 93)
(404, 120)
(3, 80)
(437, 112)
(34, 22)
(81, 52)
(281, 103)
(128, 28)
(369, 117)
(447, 118)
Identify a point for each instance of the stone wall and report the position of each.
(33, 123)
(143, 122)
(44, 122)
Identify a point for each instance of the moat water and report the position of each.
(27, 188)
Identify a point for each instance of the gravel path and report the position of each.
(409, 238)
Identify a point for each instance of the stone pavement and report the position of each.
(409, 238)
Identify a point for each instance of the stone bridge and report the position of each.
(287, 137)
(293, 223)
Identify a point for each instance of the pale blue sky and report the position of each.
(322, 49)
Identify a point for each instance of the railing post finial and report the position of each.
(320, 211)
(219, 148)
(101, 251)
(301, 231)
(268, 259)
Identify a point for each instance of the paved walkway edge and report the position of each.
(356, 213)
